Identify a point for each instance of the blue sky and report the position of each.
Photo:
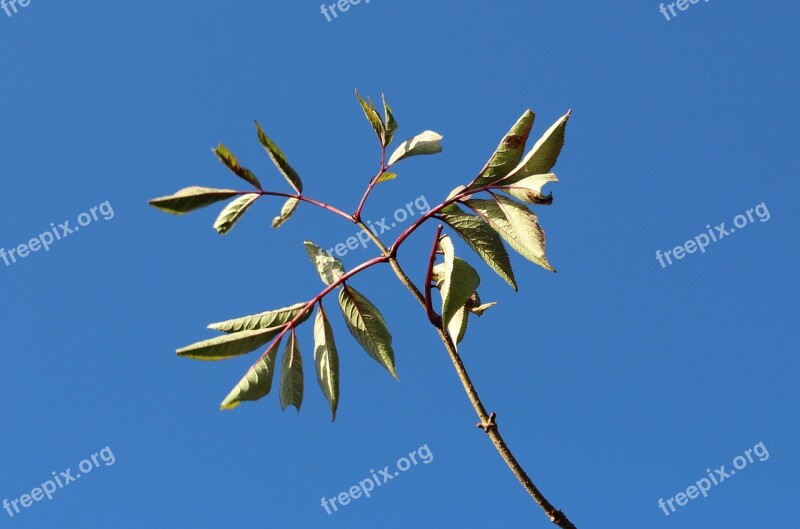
(616, 381)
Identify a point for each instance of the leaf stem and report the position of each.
(372, 183)
(304, 198)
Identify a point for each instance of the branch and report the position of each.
(317, 203)
(372, 183)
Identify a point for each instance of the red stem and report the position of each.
(432, 316)
(357, 214)
(323, 205)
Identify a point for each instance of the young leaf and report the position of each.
(373, 117)
(231, 214)
(517, 225)
(229, 345)
(529, 189)
(460, 281)
(229, 160)
(292, 375)
(427, 142)
(279, 160)
(328, 267)
(191, 198)
(387, 176)
(391, 124)
(257, 382)
(326, 359)
(483, 240)
(368, 327)
(508, 153)
(543, 156)
(286, 211)
(273, 318)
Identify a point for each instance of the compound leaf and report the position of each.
(508, 153)
(328, 267)
(191, 198)
(326, 360)
(229, 160)
(257, 382)
(368, 327)
(279, 159)
(482, 239)
(427, 142)
(231, 214)
(292, 375)
(286, 211)
(229, 345)
(272, 318)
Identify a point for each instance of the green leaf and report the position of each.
(257, 382)
(229, 160)
(292, 375)
(368, 327)
(373, 117)
(273, 318)
(326, 359)
(229, 345)
(286, 211)
(279, 160)
(480, 309)
(529, 189)
(460, 281)
(508, 153)
(191, 198)
(543, 156)
(387, 176)
(328, 267)
(483, 240)
(457, 328)
(231, 214)
(391, 124)
(427, 142)
(517, 225)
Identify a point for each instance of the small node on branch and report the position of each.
(489, 425)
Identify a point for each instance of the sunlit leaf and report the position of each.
(231, 214)
(391, 124)
(292, 375)
(543, 155)
(278, 158)
(529, 189)
(508, 153)
(257, 382)
(517, 225)
(229, 160)
(373, 117)
(191, 198)
(272, 318)
(326, 359)
(229, 345)
(328, 267)
(460, 281)
(387, 176)
(457, 328)
(286, 211)
(427, 142)
(483, 240)
(368, 327)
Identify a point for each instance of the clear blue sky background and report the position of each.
(616, 382)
